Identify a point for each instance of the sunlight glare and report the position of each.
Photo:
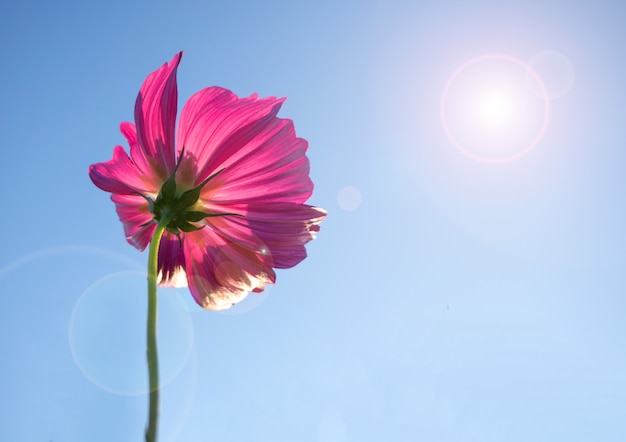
(489, 113)
(494, 108)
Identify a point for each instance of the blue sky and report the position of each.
(445, 299)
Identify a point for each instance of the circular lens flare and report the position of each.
(556, 71)
(488, 112)
(107, 334)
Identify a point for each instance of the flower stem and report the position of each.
(153, 360)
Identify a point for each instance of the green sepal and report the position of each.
(190, 197)
(188, 227)
(199, 216)
(168, 189)
(172, 230)
(195, 216)
(174, 207)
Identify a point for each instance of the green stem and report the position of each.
(153, 360)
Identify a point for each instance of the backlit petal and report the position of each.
(278, 230)
(171, 262)
(135, 215)
(139, 159)
(120, 175)
(221, 272)
(214, 124)
(155, 117)
(271, 167)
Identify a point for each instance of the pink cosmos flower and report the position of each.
(233, 179)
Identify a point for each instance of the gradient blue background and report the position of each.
(461, 301)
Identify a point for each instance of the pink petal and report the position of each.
(285, 229)
(221, 272)
(281, 229)
(135, 215)
(119, 175)
(171, 262)
(271, 167)
(215, 123)
(155, 116)
(139, 159)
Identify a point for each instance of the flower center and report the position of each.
(176, 209)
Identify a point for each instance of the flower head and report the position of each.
(230, 183)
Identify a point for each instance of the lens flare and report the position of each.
(495, 109)
(556, 71)
(349, 198)
(488, 112)
(107, 334)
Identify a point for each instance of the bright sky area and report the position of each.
(467, 285)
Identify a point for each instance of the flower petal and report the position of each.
(263, 159)
(215, 123)
(118, 175)
(135, 215)
(139, 160)
(285, 229)
(155, 117)
(281, 229)
(221, 272)
(272, 167)
(171, 262)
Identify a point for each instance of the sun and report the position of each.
(489, 112)
(494, 109)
